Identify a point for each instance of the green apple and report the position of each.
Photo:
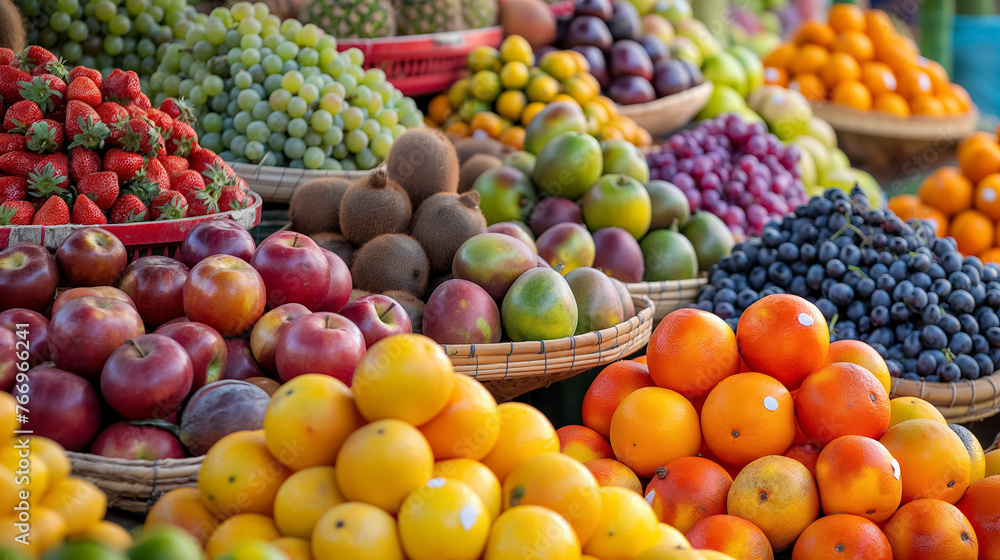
(787, 112)
(822, 131)
(723, 100)
(838, 159)
(724, 69)
(763, 42)
(757, 97)
(675, 11)
(846, 179)
(751, 64)
(819, 154)
(750, 116)
(807, 169)
(699, 34)
(684, 49)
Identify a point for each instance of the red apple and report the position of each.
(320, 342)
(294, 270)
(240, 363)
(156, 285)
(91, 256)
(225, 293)
(269, 385)
(264, 337)
(10, 358)
(339, 292)
(206, 348)
(62, 407)
(147, 377)
(85, 331)
(37, 327)
(125, 440)
(28, 277)
(69, 295)
(216, 237)
(378, 317)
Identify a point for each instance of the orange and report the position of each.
(810, 85)
(935, 218)
(840, 68)
(853, 94)
(778, 495)
(939, 77)
(56, 460)
(842, 536)
(183, 508)
(583, 444)
(859, 353)
(892, 103)
(531, 530)
(640, 360)
(846, 17)
(524, 433)
(691, 351)
(810, 59)
(240, 528)
(947, 190)
(775, 76)
(459, 129)
(927, 104)
(878, 78)
(977, 457)
(239, 475)
(609, 389)
(992, 460)
(856, 44)
(293, 549)
(805, 453)
(443, 519)
(356, 530)
(304, 498)
(783, 336)
(962, 96)
(982, 508)
(815, 33)
(973, 232)
(930, 528)
(469, 425)
(731, 535)
(652, 427)
(80, 503)
(896, 55)
(439, 109)
(487, 122)
(842, 399)
(978, 159)
(987, 197)
(933, 461)
(781, 57)
(748, 416)
(952, 104)
(108, 533)
(610, 472)
(904, 205)
(513, 137)
(858, 475)
(912, 408)
(990, 255)
(557, 482)
(687, 490)
(473, 473)
(626, 526)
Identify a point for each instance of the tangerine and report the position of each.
(809, 85)
(583, 444)
(522, 528)
(841, 67)
(977, 159)
(878, 78)
(783, 336)
(182, 507)
(892, 103)
(239, 475)
(731, 535)
(845, 17)
(815, 33)
(973, 232)
(356, 530)
(524, 433)
(982, 508)
(927, 104)
(859, 353)
(855, 44)
(987, 197)
(748, 416)
(933, 461)
(853, 94)
(858, 475)
(781, 57)
(947, 190)
(615, 382)
(842, 536)
(239, 528)
(911, 408)
(480, 479)
(304, 498)
(652, 427)
(626, 526)
(80, 503)
(842, 399)
(929, 528)
(293, 549)
(691, 351)
(468, 426)
(443, 519)
(688, 490)
(810, 59)
(557, 482)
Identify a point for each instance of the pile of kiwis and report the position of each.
(398, 228)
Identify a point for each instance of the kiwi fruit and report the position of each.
(473, 168)
(392, 261)
(412, 305)
(468, 147)
(336, 244)
(443, 223)
(423, 162)
(374, 206)
(11, 27)
(315, 206)
(357, 294)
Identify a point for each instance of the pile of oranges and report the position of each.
(962, 201)
(859, 60)
(746, 439)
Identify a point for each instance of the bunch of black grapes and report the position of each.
(931, 313)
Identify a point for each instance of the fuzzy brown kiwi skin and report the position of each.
(357, 294)
(443, 223)
(424, 163)
(473, 168)
(315, 206)
(11, 27)
(413, 306)
(390, 262)
(336, 244)
(374, 206)
(468, 147)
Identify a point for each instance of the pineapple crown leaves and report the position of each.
(39, 91)
(46, 182)
(143, 187)
(92, 135)
(42, 138)
(217, 176)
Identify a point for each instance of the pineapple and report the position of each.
(479, 13)
(417, 17)
(351, 19)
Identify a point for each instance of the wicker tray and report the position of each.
(509, 369)
(276, 184)
(135, 485)
(964, 401)
(669, 295)
(670, 113)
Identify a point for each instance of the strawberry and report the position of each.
(144, 187)
(162, 120)
(125, 164)
(115, 117)
(48, 91)
(45, 136)
(204, 203)
(122, 87)
(21, 115)
(10, 77)
(168, 205)
(128, 209)
(142, 137)
(94, 75)
(178, 109)
(53, 213)
(182, 139)
(10, 142)
(84, 89)
(35, 59)
(233, 197)
(189, 183)
(6, 56)
(201, 159)
(20, 164)
(101, 187)
(158, 174)
(46, 181)
(85, 126)
(16, 213)
(13, 189)
(85, 212)
(217, 177)
(174, 165)
(61, 164)
(142, 102)
(83, 162)
(134, 110)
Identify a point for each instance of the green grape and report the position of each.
(279, 99)
(29, 7)
(296, 164)
(275, 159)
(357, 72)
(276, 141)
(373, 76)
(327, 55)
(211, 141)
(68, 7)
(381, 144)
(261, 110)
(362, 96)
(214, 33)
(387, 117)
(238, 145)
(308, 56)
(292, 81)
(242, 10)
(295, 148)
(375, 105)
(278, 121)
(233, 108)
(356, 140)
(104, 62)
(309, 92)
(177, 22)
(113, 45)
(336, 67)
(250, 57)
(326, 42)
(397, 130)
(366, 159)
(340, 152)
(297, 107)
(147, 48)
(198, 96)
(220, 102)
(333, 136)
(272, 83)
(130, 62)
(236, 67)
(272, 40)
(261, 10)
(72, 51)
(60, 21)
(313, 138)
(135, 7)
(335, 88)
(77, 31)
(251, 41)
(250, 26)
(331, 102)
(352, 118)
(257, 73)
(356, 56)
(232, 38)
(186, 60)
(290, 27)
(254, 150)
(321, 120)
(241, 121)
(259, 131)
(411, 119)
(243, 79)
(349, 82)
(308, 35)
(313, 158)
(347, 164)
(247, 99)
(289, 66)
(211, 122)
(105, 10)
(197, 33)
(271, 63)
(330, 164)
(171, 85)
(212, 85)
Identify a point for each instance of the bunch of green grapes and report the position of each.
(107, 34)
(279, 93)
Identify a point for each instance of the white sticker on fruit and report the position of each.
(770, 403)
(650, 497)
(805, 319)
(468, 517)
(895, 468)
(435, 482)
(988, 194)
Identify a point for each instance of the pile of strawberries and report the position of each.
(77, 148)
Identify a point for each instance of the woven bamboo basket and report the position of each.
(668, 295)
(669, 113)
(509, 369)
(135, 486)
(964, 401)
(995, 446)
(276, 184)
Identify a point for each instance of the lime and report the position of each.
(458, 92)
(483, 58)
(485, 85)
(166, 543)
(253, 550)
(84, 550)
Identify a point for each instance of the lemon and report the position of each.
(443, 519)
(511, 104)
(517, 49)
(458, 93)
(582, 65)
(565, 99)
(670, 536)
(597, 112)
(530, 111)
(9, 490)
(354, 530)
(80, 503)
(304, 498)
(485, 85)
(53, 454)
(239, 528)
(483, 58)
(474, 474)
(580, 89)
(37, 473)
(522, 528)
(902, 409)
(558, 64)
(110, 534)
(542, 88)
(515, 75)
(625, 527)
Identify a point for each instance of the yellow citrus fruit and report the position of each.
(580, 89)
(514, 75)
(542, 88)
(407, 377)
(524, 433)
(902, 409)
(80, 503)
(975, 449)
(597, 112)
(304, 498)
(252, 549)
(558, 64)
(511, 104)
(485, 85)
(530, 111)
(31, 470)
(10, 491)
(582, 64)
(480, 479)
(47, 530)
(517, 49)
(354, 530)
(483, 58)
(540, 531)
(293, 548)
(670, 536)
(625, 527)
(239, 528)
(239, 475)
(8, 415)
(111, 535)
(667, 552)
(565, 98)
(469, 425)
(54, 455)
(560, 483)
(458, 92)
(443, 519)
(308, 420)
(382, 462)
